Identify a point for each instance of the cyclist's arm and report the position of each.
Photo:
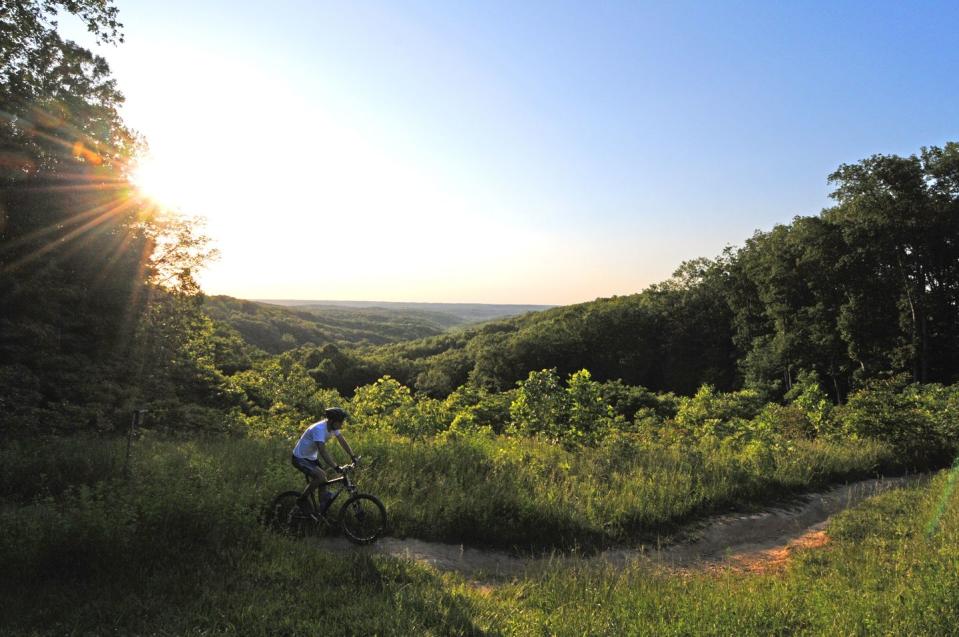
(346, 446)
(321, 448)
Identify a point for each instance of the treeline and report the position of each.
(866, 289)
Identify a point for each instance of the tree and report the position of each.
(59, 100)
(898, 217)
(96, 283)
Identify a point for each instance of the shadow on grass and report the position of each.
(284, 587)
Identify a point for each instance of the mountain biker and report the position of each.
(312, 446)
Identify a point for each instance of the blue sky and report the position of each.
(516, 152)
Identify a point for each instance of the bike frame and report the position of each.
(345, 484)
(287, 512)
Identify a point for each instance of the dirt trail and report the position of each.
(757, 542)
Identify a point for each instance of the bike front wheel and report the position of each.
(363, 518)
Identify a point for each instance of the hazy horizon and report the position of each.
(367, 301)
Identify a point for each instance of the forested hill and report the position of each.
(279, 326)
(673, 336)
(276, 329)
(867, 288)
(454, 313)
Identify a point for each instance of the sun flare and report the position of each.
(158, 182)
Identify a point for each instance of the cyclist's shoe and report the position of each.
(325, 500)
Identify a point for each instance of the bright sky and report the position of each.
(514, 152)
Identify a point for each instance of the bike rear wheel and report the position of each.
(363, 518)
(285, 515)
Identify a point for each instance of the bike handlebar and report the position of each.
(350, 467)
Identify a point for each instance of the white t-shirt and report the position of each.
(316, 434)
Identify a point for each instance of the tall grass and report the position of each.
(479, 489)
(525, 492)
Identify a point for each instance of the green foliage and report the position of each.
(386, 405)
(709, 412)
(590, 417)
(788, 421)
(541, 405)
(476, 408)
(576, 414)
(812, 402)
(631, 402)
(919, 420)
(281, 394)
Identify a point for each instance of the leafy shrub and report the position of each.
(384, 405)
(629, 401)
(808, 397)
(576, 414)
(278, 380)
(921, 421)
(717, 413)
(541, 405)
(473, 407)
(790, 421)
(590, 416)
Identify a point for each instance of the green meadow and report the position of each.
(177, 547)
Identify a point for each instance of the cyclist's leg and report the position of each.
(315, 476)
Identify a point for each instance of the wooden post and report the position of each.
(137, 420)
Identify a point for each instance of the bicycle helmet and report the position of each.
(335, 415)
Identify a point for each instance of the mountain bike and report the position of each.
(361, 517)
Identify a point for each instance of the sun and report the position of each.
(160, 182)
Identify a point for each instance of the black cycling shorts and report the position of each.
(305, 465)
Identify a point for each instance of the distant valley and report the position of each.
(466, 312)
(279, 325)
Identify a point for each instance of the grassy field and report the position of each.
(176, 550)
(887, 570)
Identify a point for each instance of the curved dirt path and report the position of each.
(756, 542)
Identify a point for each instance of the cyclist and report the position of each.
(312, 446)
